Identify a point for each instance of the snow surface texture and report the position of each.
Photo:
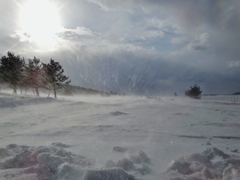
(118, 138)
(52, 163)
(210, 164)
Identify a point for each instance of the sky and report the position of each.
(131, 46)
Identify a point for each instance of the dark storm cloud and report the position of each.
(128, 72)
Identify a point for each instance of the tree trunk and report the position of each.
(14, 90)
(49, 92)
(55, 93)
(37, 92)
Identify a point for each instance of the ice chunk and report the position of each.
(201, 166)
(211, 153)
(144, 169)
(4, 153)
(110, 164)
(234, 150)
(197, 157)
(206, 174)
(40, 150)
(47, 166)
(11, 146)
(63, 153)
(231, 172)
(141, 158)
(119, 149)
(118, 113)
(69, 172)
(15, 149)
(61, 145)
(196, 166)
(108, 174)
(126, 164)
(31, 170)
(181, 166)
(21, 160)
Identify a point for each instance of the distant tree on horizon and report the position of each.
(12, 68)
(1, 75)
(53, 77)
(194, 92)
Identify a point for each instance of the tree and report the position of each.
(33, 74)
(1, 75)
(12, 68)
(54, 77)
(194, 92)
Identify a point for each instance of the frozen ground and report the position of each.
(119, 138)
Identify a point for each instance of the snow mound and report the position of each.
(211, 164)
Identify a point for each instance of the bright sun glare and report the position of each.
(39, 20)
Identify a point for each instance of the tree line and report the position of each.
(21, 74)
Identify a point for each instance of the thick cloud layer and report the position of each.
(137, 45)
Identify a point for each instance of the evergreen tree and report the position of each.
(33, 74)
(12, 68)
(1, 75)
(53, 76)
(194, 92)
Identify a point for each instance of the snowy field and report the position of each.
(118, 138)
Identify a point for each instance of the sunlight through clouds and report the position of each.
(39, 22)
(177, 40)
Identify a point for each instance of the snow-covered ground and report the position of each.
(118, 137)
